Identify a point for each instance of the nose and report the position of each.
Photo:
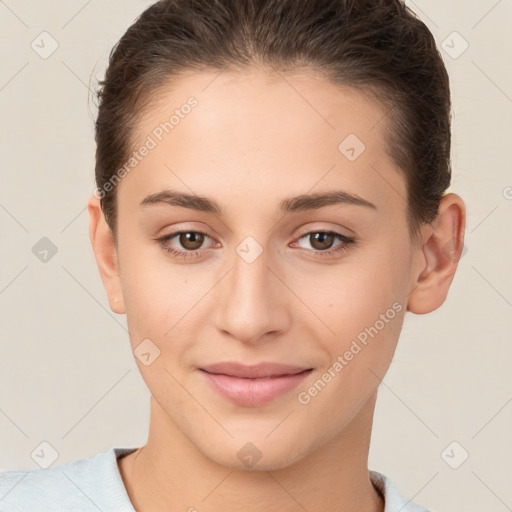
(252, 300)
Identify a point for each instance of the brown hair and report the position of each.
(377, 46)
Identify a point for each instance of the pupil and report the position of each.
(190, 237)
(323, 237)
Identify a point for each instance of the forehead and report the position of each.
(258, 129)
(256, 98)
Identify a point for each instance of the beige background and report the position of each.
(67, 375)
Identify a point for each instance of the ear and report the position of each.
(438, 256)
(105, 252)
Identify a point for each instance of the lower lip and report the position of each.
(253, 392)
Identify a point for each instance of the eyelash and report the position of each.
(347, 242)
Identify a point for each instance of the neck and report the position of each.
(170, 473)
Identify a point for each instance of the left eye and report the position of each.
(322, 241)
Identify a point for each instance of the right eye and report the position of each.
(191, 241)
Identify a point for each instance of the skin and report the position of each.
(252, 141)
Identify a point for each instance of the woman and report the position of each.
(271, 200)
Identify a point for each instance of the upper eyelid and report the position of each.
(336, 231)
(301, 232)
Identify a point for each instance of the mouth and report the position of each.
(262, 370)
(253, 386)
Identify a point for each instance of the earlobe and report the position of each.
(105, 253)
(438, 256)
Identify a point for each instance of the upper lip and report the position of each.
(253, 371)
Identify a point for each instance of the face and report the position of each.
(254, 271)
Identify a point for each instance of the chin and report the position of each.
(253, 456)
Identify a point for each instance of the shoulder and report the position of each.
(86, 484)
(394, 501)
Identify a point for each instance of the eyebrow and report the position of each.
(299, 203)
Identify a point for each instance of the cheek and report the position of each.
(364, 312)
(360, 310)
(352, 295)
(162, 299)
(147, 291)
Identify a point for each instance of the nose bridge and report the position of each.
(250, 298)
(250, 267)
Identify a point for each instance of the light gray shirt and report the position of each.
(95, 484)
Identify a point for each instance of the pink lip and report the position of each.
(252, 386)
